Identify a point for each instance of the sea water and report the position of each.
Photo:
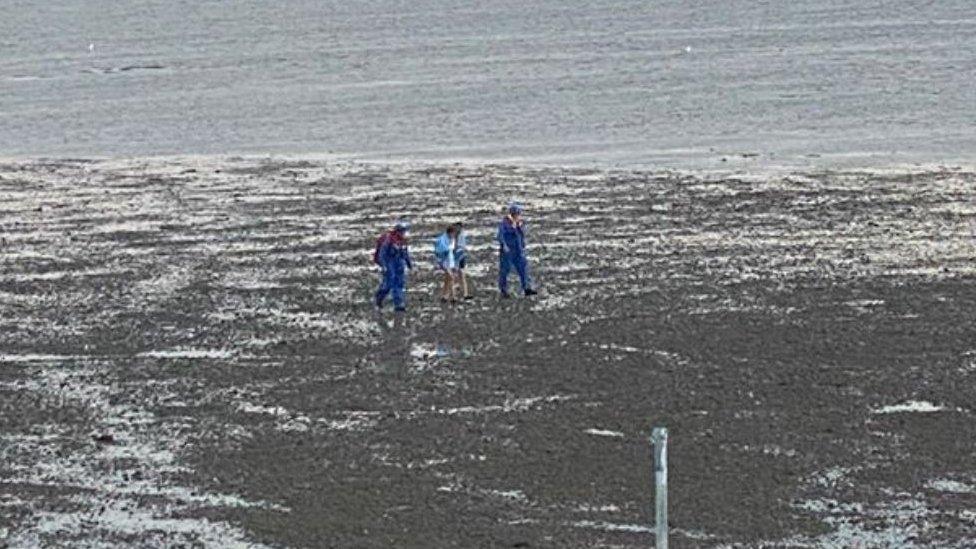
(629, 83)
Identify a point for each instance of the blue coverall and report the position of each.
(394, 258)
(511, 253)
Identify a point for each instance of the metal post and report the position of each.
(660, 439)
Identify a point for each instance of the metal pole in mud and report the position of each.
(659, 437)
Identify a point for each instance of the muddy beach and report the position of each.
(187, 356)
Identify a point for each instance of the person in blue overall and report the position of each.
(393, 257)
(511, 251)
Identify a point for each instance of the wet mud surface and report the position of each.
(187, 356)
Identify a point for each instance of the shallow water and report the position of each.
(694, 84)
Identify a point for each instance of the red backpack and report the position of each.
(379, 245)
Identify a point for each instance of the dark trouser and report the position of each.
(395, 281)
(508, 261)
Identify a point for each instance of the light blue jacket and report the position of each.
(446, 257)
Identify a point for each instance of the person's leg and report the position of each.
(400, 295)
(504, 267)
(465, 290)
(447, 286)
(383, 290)
(399, 298)
(400, 291)
(463, 278)
(522, 266)
(455, 283)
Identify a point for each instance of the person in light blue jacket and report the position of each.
(511, 251)
(450, 251)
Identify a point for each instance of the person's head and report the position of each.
(453, 230)
(515, 209)
(402, 226)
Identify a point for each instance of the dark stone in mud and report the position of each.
(104, 438)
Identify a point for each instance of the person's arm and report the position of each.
(461, 248)
(386, 253)
(406, 257)
(501, 237)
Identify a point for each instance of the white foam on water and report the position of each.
(120, 518)
(604, 433)
(917, 406)
(897, 520)
(425, 355)
(510, 405)
(621, 348)
(60, 275)
(164, 286)
(188, 354)
(35, 357)
(951, 486)
(260, 198)
(423, 351)
(249, 408)
(352, 328)
(298, 424)
(34, 254)
(865, 303)
(516, 495)
(352, 420)
(254, 341)
(35, 300)
(613, 527)
(548, 302)
(586, 508)
(776, 450)
(127, 226)
(878, 525)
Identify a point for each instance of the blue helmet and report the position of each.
(402, 226)
(515, 208)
